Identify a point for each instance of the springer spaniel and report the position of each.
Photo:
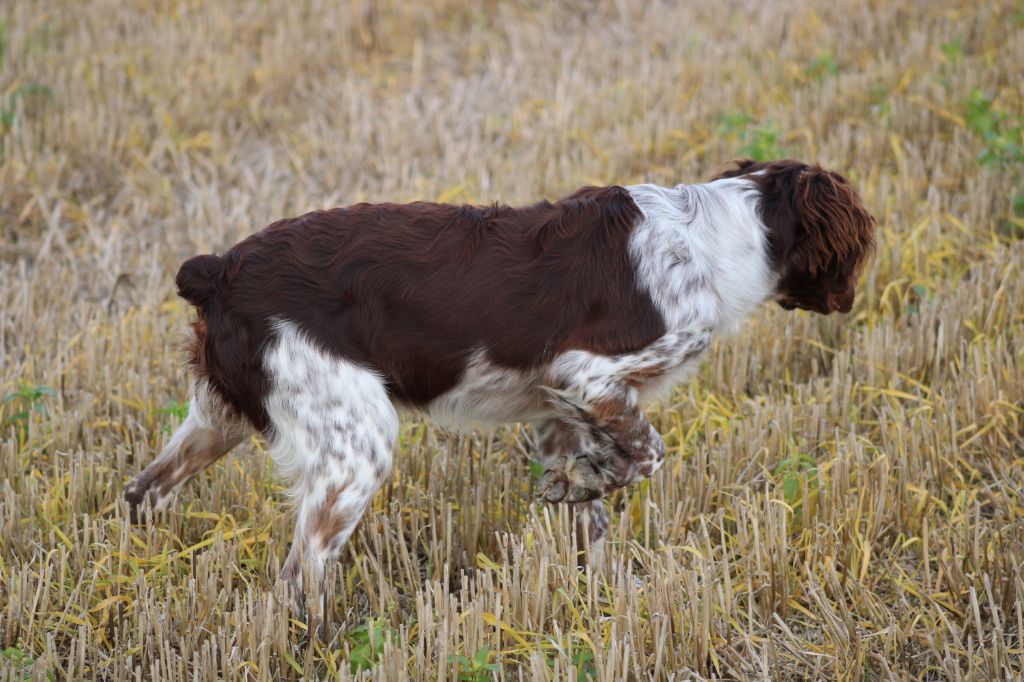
(572, 315)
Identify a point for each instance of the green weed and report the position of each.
(582, 660)
(26, 400)
(477, 668)
(22, 662)
(179, 410)
(761, 143)
(1001, 134)
(791, 474)
(953, 50)
(822, 66)
(367, 644)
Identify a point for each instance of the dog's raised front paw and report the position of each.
(579, 481)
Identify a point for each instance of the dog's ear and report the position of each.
(837, 232)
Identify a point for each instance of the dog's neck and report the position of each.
(702, 251)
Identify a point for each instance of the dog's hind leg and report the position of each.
(334, 431)
(209, 431)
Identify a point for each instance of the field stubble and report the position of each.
(843, 497)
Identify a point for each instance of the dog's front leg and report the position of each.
(601, 449)
(597, 398)
(560, 447)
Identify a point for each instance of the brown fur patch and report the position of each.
(558, 440)
(329, 521)
(610, 409)
(637, 378)
(195, 347)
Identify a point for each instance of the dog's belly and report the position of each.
(489, 395)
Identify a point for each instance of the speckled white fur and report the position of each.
(702, 253)
(334, 432)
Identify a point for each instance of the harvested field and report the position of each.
(844, 497)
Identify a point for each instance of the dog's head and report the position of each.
(820, 234)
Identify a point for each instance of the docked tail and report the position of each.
(198, 278)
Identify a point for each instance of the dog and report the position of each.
(572, 315)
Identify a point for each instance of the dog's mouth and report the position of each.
(788, 305)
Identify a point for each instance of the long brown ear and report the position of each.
(838, 231)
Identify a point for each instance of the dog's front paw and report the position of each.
(578, 482)
(558, 486)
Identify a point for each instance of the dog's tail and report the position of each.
(199, 279)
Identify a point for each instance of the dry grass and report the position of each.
(844, 496)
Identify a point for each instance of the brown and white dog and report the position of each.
(572, 315)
